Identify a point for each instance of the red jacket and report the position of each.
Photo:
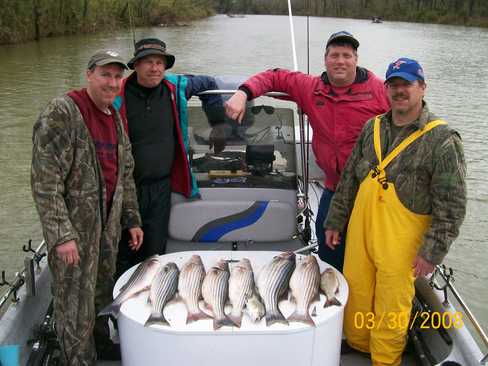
(180, 174)
(336, 120)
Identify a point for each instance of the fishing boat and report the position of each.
(259, 194)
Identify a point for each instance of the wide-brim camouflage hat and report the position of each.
(151, 46)
(105, 57)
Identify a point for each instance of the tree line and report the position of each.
(465, 12)
(22, 20)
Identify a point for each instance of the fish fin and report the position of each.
(291, 298)
(284, 295)
(316, 297)
(207, 308)
(314, 311)
(275, 318)
(302, 318)
(193, 317)
(156, 318)
(331, 302)
(219, 323)
(236, 319)
(112, 309)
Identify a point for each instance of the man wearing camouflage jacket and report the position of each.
(84, 192)
(403, 192)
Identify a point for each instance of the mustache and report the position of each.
(399, 95)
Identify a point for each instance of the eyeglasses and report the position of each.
(267, 109)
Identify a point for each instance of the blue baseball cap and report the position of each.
(343, 36)
(405, 68)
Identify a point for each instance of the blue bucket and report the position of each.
(9, 355)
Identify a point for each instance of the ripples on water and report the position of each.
(454, 61)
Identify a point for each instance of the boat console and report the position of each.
(247, 177)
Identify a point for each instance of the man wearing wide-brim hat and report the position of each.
(151, 46)
(148, 100)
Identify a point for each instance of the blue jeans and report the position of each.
(333, 257)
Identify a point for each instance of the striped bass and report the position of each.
(163, 289)
(241, 288)
(273, 284)
(139, 281)
(190, 287)
(329, 284)
(304, 285)
(215, 288)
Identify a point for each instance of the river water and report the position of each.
(454, 60)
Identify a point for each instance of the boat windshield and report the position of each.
(259, 152)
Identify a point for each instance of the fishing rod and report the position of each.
(306, 234)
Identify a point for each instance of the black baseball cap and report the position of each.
(343, 36)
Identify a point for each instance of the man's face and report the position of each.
(405, 96)
(341, 63)
(150, 70)
(104, 83)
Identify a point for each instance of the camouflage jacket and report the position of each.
(429, 178)
(68, 186)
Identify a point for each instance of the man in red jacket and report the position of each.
(337, 103)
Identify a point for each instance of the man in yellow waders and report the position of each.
(402, 197)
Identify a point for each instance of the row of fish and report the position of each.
(237, 285)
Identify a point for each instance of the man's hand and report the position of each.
(332, 238)
(136, 237)
(68, 252)
(235, 107)
(422, 267)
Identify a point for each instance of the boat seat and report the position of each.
(226, 220)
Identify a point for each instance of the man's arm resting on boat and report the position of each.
(52, 156)
(448, 192)
(296, 84)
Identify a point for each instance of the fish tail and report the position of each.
(331, 302)
(275, 318)
(156, 318)
(193, 317)
(112, 309)
(219, 323)
(302, 318)
(236, 319)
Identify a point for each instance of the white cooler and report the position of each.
(197, 344)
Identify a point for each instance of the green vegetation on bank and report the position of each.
(462, 12)
(22, 20)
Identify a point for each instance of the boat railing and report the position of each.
(232, 91)
(26, 276)
(447, 276)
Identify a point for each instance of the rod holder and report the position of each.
(447, 275)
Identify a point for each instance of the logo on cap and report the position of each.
(399, 63)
